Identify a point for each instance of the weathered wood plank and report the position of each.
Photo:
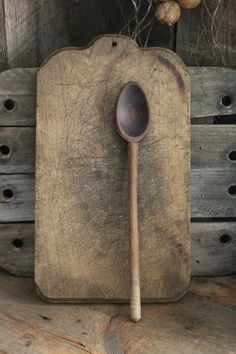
(212, 91)
(3, 47)
(21, 33)
(206, 35)
(17, 248)
(17, 150)
(208, 87)
(16, 198)
(22, 113)
(17, 110)
(213, 248)
(213, 146)
(212, 170)
(36, 28)
(202, 322)
(20, 82)
(210, 197)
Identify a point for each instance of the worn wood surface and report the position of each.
(21, 145)
(203, 322)
(3, 47)
(213, 249)
(35, 28)
(80, 154)
(210, 194)
(20, 200)
(17, 248)
(213, 172)
(208, 87)
(206, 35)
(211, 145)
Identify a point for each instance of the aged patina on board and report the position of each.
(81, 175)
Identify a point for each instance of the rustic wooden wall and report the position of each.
(30, 30)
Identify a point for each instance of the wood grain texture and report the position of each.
(81, 174)
(209, 255)
(202, 322)
(31, 30)
(208, 86)
(3, 47)
(211, 146)
(213, 248)
(212, 171)
(17, 248)
(21, 145)
(21, 33)
(210, 197)
(206, 35)
(18, 85)
(210, 189)
(20, 82)
(21, 206)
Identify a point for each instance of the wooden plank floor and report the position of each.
(203, 322)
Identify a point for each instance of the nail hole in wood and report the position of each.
(232, 191)
(7, 194)
(225, 239)
(226, 101)
(232, 156)
(18, 243)
(4, 151)
(197, 261)
(114, 44)
(9, 105)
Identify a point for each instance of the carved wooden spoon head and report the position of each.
(132, 113)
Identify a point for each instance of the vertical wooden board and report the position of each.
(206, 35)
(21, 33)
(81, 174)
(3, 47)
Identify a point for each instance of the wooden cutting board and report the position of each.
(82, 236)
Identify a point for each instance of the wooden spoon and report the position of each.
(132, 120)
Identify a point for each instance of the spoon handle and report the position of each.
(135, 302)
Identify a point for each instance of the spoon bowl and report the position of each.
(132, 113)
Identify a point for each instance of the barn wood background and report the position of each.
(30, 30)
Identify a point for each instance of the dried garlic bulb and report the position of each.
(188, 4)
(168, 12)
